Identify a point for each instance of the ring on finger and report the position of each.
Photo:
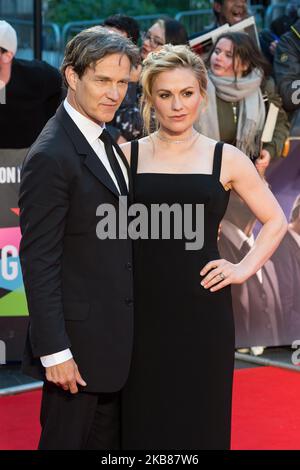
(222, 276)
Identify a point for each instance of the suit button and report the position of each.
(129, 302)
(129, 266)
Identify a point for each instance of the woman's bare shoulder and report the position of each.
(126, 148)
(234, 156)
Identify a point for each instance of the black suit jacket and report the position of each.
(79, 288)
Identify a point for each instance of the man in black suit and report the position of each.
(78, 287)
(32, 94)
(287, 264)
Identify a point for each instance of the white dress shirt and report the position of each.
(91, 132)
(238, 237)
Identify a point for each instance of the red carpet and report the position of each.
(19, 421)
(266, 413)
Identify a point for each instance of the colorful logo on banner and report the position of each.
(12, 295)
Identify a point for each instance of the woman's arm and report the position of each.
(246, 182)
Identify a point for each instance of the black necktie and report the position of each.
(106, 139)
(245, 248)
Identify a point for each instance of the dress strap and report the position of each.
(218, 159)
(134, 157)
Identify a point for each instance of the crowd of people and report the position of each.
(18, 77)
(117, 333)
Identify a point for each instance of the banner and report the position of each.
(13, 305)
(267, 306)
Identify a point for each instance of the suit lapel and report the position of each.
(294, 246)
(92, 161)
(95, 165)
(269, 270)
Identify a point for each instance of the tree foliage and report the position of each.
(64, 11)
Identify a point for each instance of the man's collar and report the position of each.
(89, 128)
(235, 234)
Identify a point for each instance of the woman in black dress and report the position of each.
(178, 393)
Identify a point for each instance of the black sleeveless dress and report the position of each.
(178, 393)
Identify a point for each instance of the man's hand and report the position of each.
(272, 47)
(263, 162)
(65, 375)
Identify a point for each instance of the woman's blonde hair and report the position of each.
(168, 58)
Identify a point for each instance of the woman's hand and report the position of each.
(219, 273)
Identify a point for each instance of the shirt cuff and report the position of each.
(56, 358)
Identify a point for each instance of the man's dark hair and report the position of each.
(124, 23)
(175, 32)
(93, 44)
(216, 13)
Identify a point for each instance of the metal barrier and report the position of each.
(24, 28)
(195, 20)
(74, 27)
(55, 38)
(51, 40)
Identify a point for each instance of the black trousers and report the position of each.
(88, 421)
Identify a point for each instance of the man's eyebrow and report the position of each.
(103, 77)
(164, 89)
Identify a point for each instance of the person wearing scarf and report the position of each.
(239, 91)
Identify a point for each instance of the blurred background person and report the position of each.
(229, 11)
(226, 11)
(163, 31)
(125, 25)
(287, 74)
(29, 96)
(269, 37)
(127, 124)
(287, 264)
(33, 91)
(239, 91)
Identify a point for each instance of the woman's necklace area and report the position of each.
(171, 141)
